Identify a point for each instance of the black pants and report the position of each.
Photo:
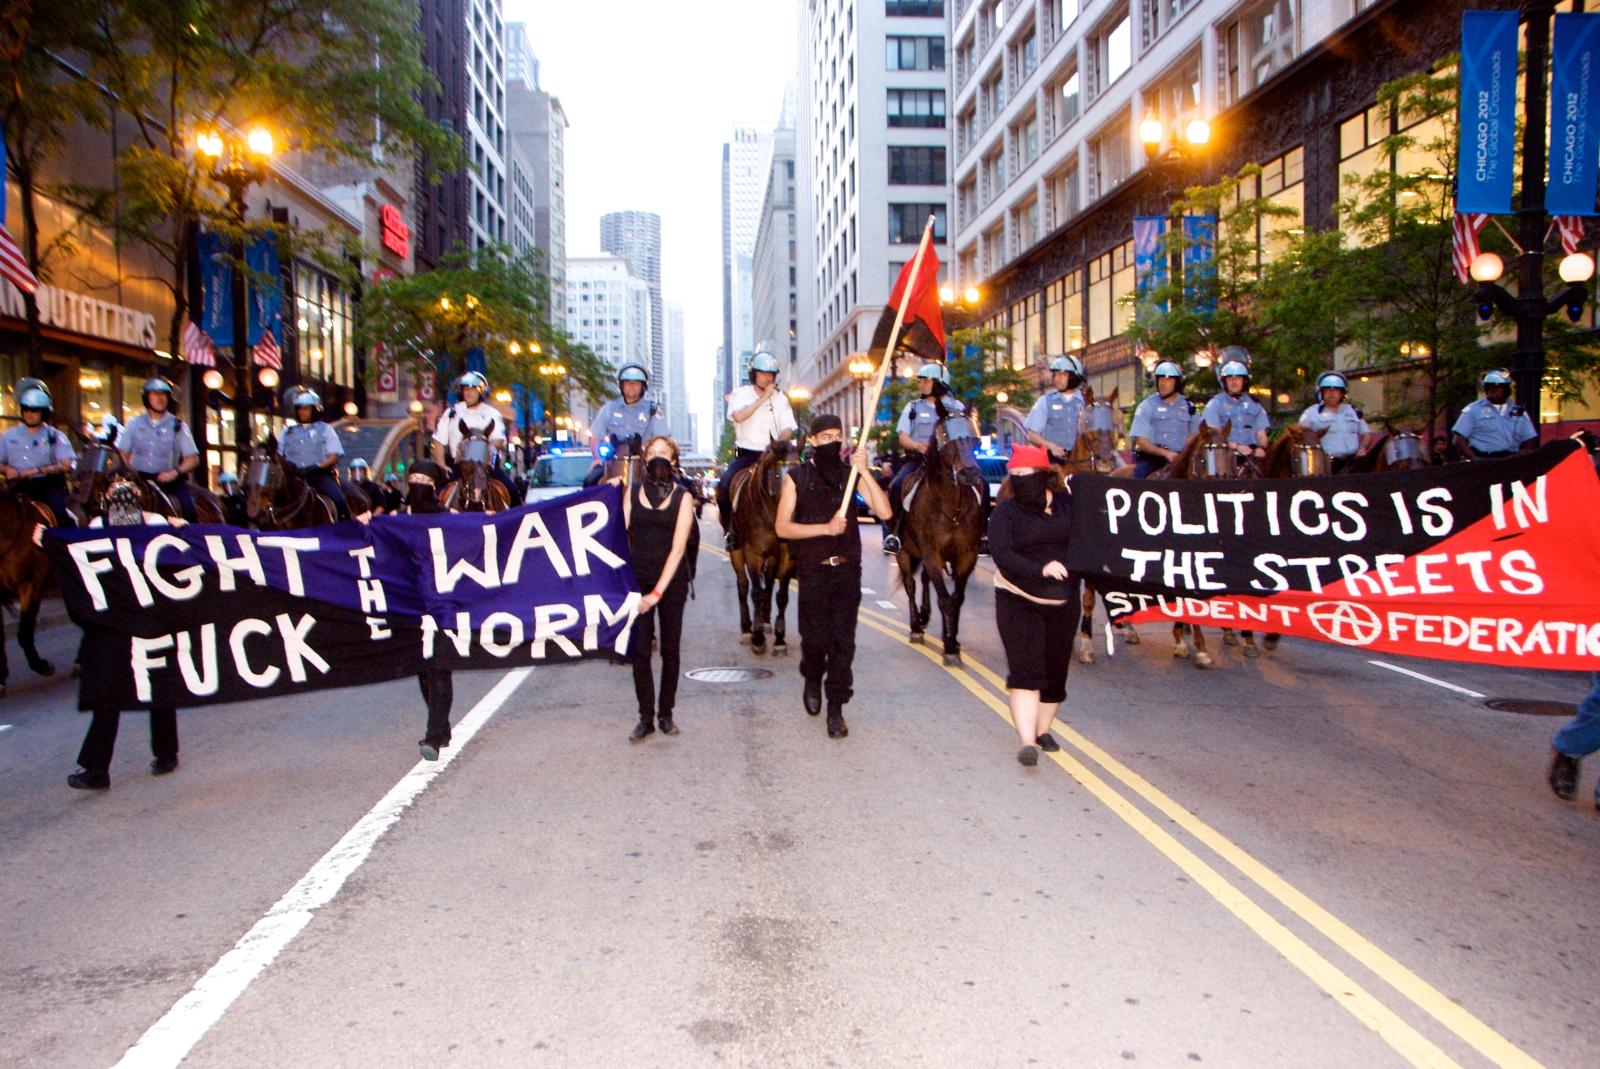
(101, 739)
(667, 618)
(438, 690)
(324, 482)
(742, 459)
(1147, 464)
(179, 491)
(49, 490)
(1038, 642)
(829, 600)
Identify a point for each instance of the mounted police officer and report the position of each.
(312, 449)
(630, 414)
(1055, 419)
(361, 476)
(36, 456)
(921, 416)
(761, 415)
(157, 445)
(393, 500)
(480, 417)
(1494, 426)
(1345, 434)
(231, 494)
(1162, 423)
(1233, 404)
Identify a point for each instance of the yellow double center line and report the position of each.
(1412, 1045)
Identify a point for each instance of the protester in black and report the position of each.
(660, 515)
(827, 551)
(1036, 603)
(425, 480)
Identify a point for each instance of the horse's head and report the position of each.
(1101, 428)
(1306, 455)
(1210, 455)
(474, 447)
(1403, 449)
(263, 478)
(956, 454)
(778, 457)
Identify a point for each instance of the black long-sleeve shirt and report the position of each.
(1022, 542)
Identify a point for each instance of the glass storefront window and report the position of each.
(1122, 287)
(94, 395)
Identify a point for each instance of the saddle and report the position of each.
(914, 482)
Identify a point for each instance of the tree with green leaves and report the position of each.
(980, 370)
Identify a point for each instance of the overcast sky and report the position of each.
(651, 91)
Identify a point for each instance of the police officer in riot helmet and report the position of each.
(630, 419)
(361, 478)
(35, 457)
(1234, 405)
(479, 417)
(1344, 431)
(311, 449)
(231, 493)
(1163, 422)
(934, 406)
(159, 446)
(1494, 426)
(1057, 416)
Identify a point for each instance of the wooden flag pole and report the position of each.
(883, 365)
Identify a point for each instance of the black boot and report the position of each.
(646, 726)
(837, 729)
(1564, 775)
(89, 779)
(667, 726)
(812, 696)
(891, 535)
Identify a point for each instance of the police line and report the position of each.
(1470, 562)
(204, 614)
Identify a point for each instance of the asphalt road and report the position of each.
(1304, 860)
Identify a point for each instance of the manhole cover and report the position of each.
(727, 675)
(1531, 707)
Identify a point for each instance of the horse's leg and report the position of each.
(1086, 628)
(1179, 649)
(908, 579)
(742, 579)
(1229, 638)
(5, 668)
(933, 569)
(925, 614)
(762, 591)
(28, 600)
(958, 597)
(1249, 649)
(785, 573)
(1270, 642)
(1202, 656)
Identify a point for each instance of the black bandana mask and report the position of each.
(658, 470)
(1030, 490)
(828, 460)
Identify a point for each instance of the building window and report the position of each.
(967, 200)
(966, 130)
(1113, 52)
(916, 166)
(907, 220)
(1025, 224)
(994, 248)
(1068, 100)
(993, 172)
(1063, 314)
(1065, 194)
(914, 8)
(1025, 136)
(993, 93)
(1109, 152)
(1164, 13)
(1259, 44)
(1110, 280)
(1063, 12)
(916, 107)
(915, 54)
(963, 62)
(1025, 331)
(1176, 97)
(1025, 55)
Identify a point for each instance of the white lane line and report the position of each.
(170, 1039)
(1427, 679)
(887, 605)
(5, 727)
(868, 590)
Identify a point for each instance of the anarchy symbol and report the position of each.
(1345, 622)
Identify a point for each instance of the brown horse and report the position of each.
(944, 528)
(761, 560)
(100, 466)
(1393, 451)
(24, 572)
(275, 499)
(473, 489)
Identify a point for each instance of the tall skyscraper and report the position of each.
(773, 292)
(679, 416)
(608, 309)
(872, 149)
(536, 150)
(636, 237)
(744, 177)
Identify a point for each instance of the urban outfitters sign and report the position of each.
(81, 314)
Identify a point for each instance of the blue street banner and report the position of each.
(1149, 256)
(1488, 112)
(1199, 261)
(476, 361)
(266, 289)
(216, 287)
(1574, 116)
(205, 614)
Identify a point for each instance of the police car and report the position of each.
(557, 475)
(993, 465)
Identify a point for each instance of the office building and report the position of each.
(608, 309)
(679, 415)
(536, 131)
(744, 178)
(636, 237)
(773, 290)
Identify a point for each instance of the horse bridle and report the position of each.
(1104, 459)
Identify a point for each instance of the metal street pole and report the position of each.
(1528, 356)
(241, 357)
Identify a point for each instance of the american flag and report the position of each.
(1464, 245)
(1571, 227)
(13, 264)
(197, 346)
(267, 353)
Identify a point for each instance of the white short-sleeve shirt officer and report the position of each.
(24, 447)
(1057, 416)
(617, 417)
(156, 445)
(1244, 412)
(479, 417)
(765, 424)
(920, 417)
(1166, 422)
(305, 445)
(1342, 428)
(1491, 428)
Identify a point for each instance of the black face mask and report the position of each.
(1029, 490)
(827, 456)
(658, 470)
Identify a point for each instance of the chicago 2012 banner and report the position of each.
(1496, 561)
(203, 614)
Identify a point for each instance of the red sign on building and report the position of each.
(396, 234)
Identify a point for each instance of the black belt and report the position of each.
(836, 560)
(1497, 455)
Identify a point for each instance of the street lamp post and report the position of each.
(1530, 307)
(861, 370)
(238, 163)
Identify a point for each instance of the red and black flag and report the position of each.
(922, 332)
(1496, 562)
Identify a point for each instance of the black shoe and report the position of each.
(891, 543)
(1564, 776)
(730, 541)
(429, 750)
(812, 696)
(1047, 742)
(1028, 755)
(983, 546)
(162, 765)
(86, 780)
(643, 728)
(837, 728)
(667, 726)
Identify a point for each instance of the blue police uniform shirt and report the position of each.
(23, 447)
(920, 417)
(618, 417)
(1165, 422)
(156, 445)
(1341, 428)
(305, 445)
(1490, 428)
(1057, 416)
(1246, 415)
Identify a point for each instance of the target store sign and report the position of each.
(396, 234)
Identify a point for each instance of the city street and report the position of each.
(1308, 859)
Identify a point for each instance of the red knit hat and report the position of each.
(1027, 456)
